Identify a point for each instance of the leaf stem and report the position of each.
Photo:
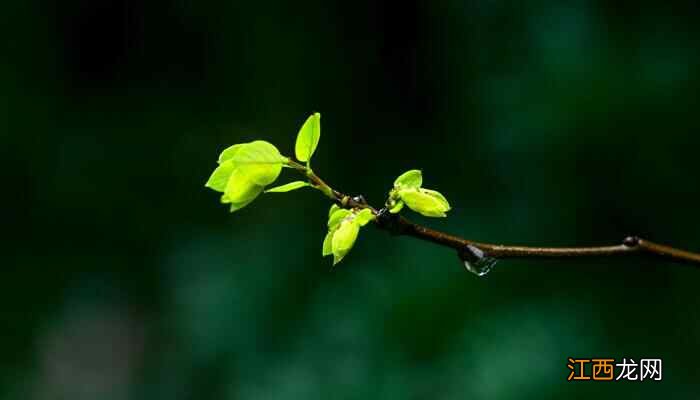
(399, 225)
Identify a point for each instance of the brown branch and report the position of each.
(399, 225)
(629, 245)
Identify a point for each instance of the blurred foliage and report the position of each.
(544, 123)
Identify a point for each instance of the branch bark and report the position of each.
(629, 245)
(398, 225)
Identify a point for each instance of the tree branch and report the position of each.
(629, 245)
(398, 225)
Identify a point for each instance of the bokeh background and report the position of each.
(544, 123)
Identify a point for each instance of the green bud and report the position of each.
(437, 195)
(244, 170)
(396, 207)
(425, 201)
(343, 239)
(343, 228)
(412, 179)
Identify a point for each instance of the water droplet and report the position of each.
(476, 261)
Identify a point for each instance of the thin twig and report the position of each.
(630, 244)
(399, 225)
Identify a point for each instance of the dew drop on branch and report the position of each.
(476, 261)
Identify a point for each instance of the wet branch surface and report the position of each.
(466, 249)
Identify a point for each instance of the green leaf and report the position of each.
(327, 244)
(240, 188)
(335, 218)
(343, 228)
(308, 137)
(426, 202)
(439, 197)
(364, 216)
(235, 206)
(229, 152)
(343, 239)
(412, 179)
(238, 206)
(397, 207)
(288, 187)
(219, 178)
(333, 209)
(258, 152)
(260, 160)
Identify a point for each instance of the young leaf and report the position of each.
(426, 202)
(335, 218)
(257, 152)
(439, 197)
(412, 179)
(260, 160)
(364, 216)
(308, 137)
(288, 187)
(235, 205)
(328, 243)
(219, 178)
(238, 206)
(343, 239)
(229, 152)
(397, 207)
(244, 170)
(333, 209)
(240, 188)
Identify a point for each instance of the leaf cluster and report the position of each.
(245, 170)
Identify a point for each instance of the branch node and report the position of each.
(360, 199)
(389, 222)
(631, 241)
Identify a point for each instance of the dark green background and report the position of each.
(542, 123)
